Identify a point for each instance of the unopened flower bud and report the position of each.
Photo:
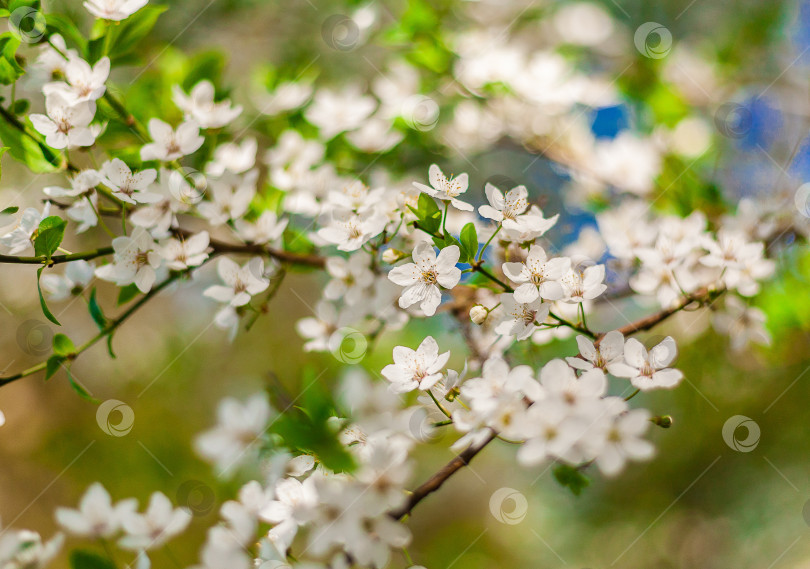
(664, 422)
(478, 314)
(391, 256)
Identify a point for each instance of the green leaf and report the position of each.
(109, 346)
(95, 311)
(10, 210)
(10, 70)
(48, 314)
(572, 478)
(20, 107)
(15, 4)
(308, 428)
(81, 559)
(37, 156)
(49, 236)
(52, 366)
(127, 293)
(65, 27)
(428, 214)
(469, 243)
(63, 346)
(121, 38)
(83, 393)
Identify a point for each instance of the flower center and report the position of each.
(430, 276)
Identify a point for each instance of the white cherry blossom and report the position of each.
(444, 188)
(135, 261)
(241, 283)
(115, 10)
(169, 144)
(538, 276)
(416, 369)
(199, 106)
(423, 277)
(126, 185)
(66, 125)
(96, 516)
(648, 370)
(155, 527)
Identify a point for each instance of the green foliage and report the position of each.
(49, 236)
(127, 293)
(307, 427)
(10, 69)
(95, 310)
(67, 28)
(82, 559)
(26, 148)
(63, 346)
(43, 305)
(119, 40)
(469, 243)
(52, 366)
(428, 214)
(82, 392)
(571, 478)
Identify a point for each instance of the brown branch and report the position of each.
(435, 482)
(254, 249)
(703, 296)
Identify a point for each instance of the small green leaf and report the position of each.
(52, 366)
(80, 390)
(572, 478)
(469, 243)
(49, 236)
(20, 107)
(37, 156)
(95, 311)
(48, 314)
(127, 293)
(67, 29)
(109, 346)
(63, 346)
(10, 210)
(81, 559)
(10, 69)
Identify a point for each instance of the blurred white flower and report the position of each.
(199, 106)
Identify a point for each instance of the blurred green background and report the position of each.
(697, 504)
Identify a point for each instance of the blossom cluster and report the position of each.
(478, 258)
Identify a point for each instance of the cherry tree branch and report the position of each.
(111, 326)
(702, 297)
(437, 480)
